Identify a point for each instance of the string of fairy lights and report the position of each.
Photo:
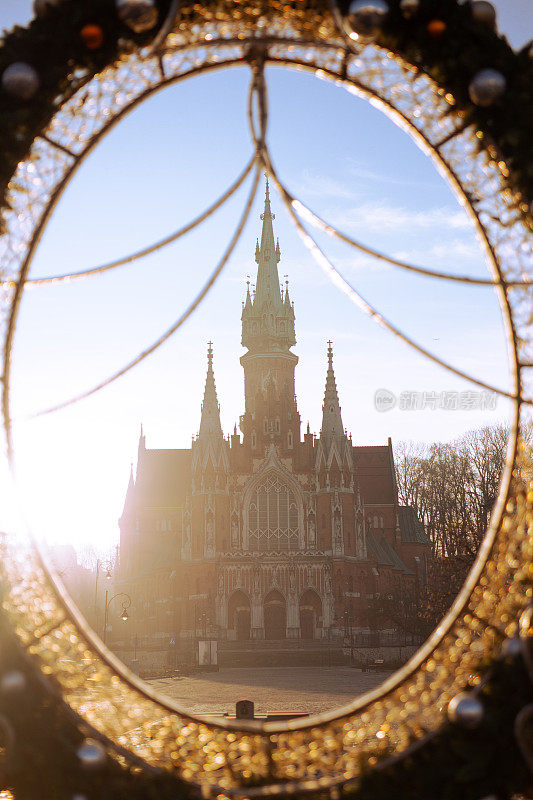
(297, 211)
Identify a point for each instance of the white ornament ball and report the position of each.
(409, 7)
(487, 86)
(484, 13)
(42, 7)
(20, 80)
(365, 17)
(91, 753)
(466, 710)
(139, 15)
(12, 682)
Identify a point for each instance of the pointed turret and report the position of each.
(130, 491)
(287, 300)
(267, 316)
(268, 335)
(267, 289)
(141, 449)
(247, 305)
(128, 512)
(210, 422)
(332, 427)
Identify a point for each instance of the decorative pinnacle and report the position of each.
(267, 211)
(210, 417)
(331, 411)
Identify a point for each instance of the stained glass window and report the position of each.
(273, 516)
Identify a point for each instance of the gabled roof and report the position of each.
(411, 529)
(375, 550)
(395, 558)
(384, 553)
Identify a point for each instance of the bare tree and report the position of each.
(453, 487)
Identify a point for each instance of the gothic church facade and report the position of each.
(265, 534)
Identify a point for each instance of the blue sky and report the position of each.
(161, 166)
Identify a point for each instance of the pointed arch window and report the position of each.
(273, 516)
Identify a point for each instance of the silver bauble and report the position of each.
(511, 648)
(466, 710)
(487, 86)
(484, 13)
(139, 15)
(20, 80)
(12, 682)
(365, 17)
(41, 7)
(91, 753)
(409, 7)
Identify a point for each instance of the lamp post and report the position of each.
(202, 619)
(99, 566)
(125, 605)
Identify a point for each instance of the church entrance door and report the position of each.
(242, 624)
(275, 615)
(310, 614)
(307, 623)
(239, 615)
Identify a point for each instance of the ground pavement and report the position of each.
(272, 689)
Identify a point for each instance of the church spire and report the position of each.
(267, 257)
(267, 315)
(210, 421)
(331, 411)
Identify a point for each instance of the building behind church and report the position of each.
(265, 534)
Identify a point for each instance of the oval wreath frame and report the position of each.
(374, 743)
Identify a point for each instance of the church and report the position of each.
(265, 534)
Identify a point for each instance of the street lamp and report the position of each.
(124, 616)
(99, 566)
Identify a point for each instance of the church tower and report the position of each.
(271, 414)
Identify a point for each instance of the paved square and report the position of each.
(272, 689)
